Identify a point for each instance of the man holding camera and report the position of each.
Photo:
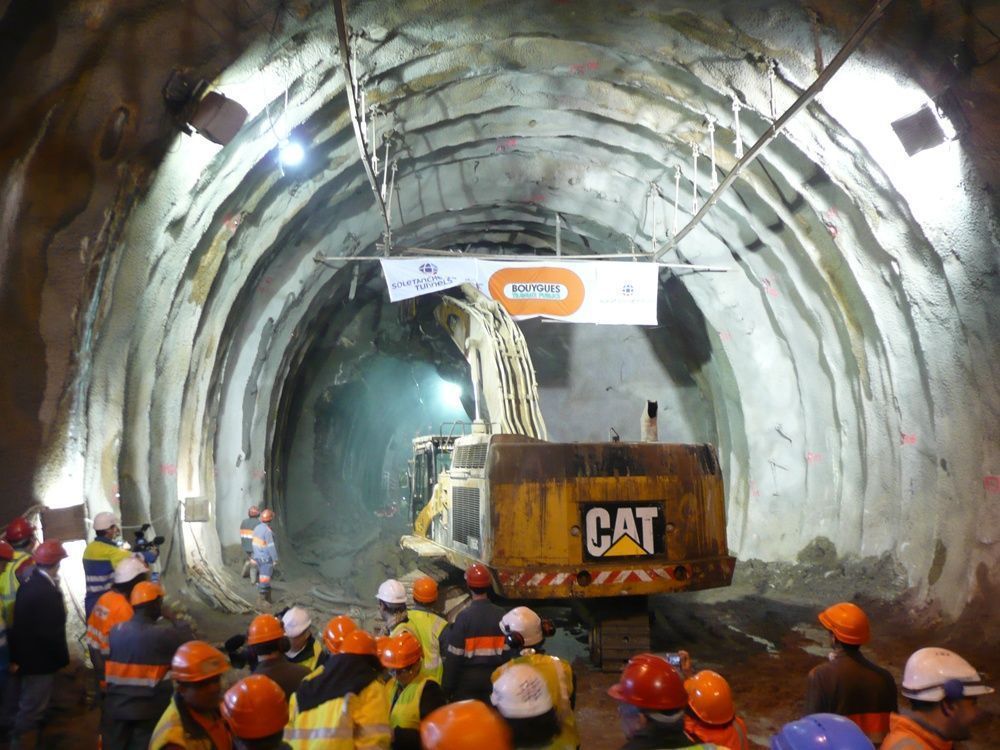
(101, 557)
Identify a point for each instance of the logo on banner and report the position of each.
(429, 268)
(537, 291)
(628, 290)
(623, 530)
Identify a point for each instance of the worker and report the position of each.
(255, 710)
(849, 684)
(138, 686)
(101, 557)
(342, 704)
(20, 535)
(265, 556)
(37, 642)
(476, 644)
(391, 598)
(412, 694)
(522, 697)
(943, 690)
(525, 635)
(429, 627)
(821, 732)
(651, 703)
(466, 725)
(247, 526)
(6, 556)
(303, 648)
(267, 640)
(711, 716)
(192, 720)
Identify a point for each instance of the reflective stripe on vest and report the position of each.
(405, 711)
(483, 645)
(874, 725)
(428, 627)
(111, 609)
(135, 675)
(346, 723)
(9, 585)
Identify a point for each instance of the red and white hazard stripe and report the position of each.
(626, 575)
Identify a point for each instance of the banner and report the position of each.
(603, 292)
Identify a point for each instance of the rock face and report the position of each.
(161, 298)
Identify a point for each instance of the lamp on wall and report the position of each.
(209, 113)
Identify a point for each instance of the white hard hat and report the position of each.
(296, 621)
(129, 568)
(933, 674)
(104, 521)
(521, 693)
(391, 592)
(524, 621)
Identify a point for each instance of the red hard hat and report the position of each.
(650, 682)
(263, 629)
(425, 590)
(6, 551)
(253, 511)
(255, 707)
(847, 622)
(18, 530)
(477, 576)
(197, 661)
(466, 725)
(335, 630)
(49, 552)
(359, 642)
(710, 698)
(267, 515)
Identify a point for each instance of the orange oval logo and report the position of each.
(537, 291)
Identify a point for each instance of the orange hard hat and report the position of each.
(267, 515)
(359, 642)
(848, 622)
(478, 576)
(425, 590)
(18, 530)
(255, 707)
(49, 552)
(335, 630)
(6, 551)
(401, 651)
(253, 511)
(650, 682)
(197, 661)
(710, 698)
(264, 628)
(145, 592)
(466, 725)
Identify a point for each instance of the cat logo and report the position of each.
(623, 530)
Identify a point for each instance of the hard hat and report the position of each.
(129, 568)
(391, 592)
(360, 643)
(255, 707)
(253, 511)
(18, 530)
(49, 552)
(267, 515)
(650, 682)
(104, 521)
(6, 551)
(710, 698)
(524, 621)
(933, 674)
(335, 630)
(145, 592)
(296, 621)
(848, 622)
(425, 590)
(478, 577)
(264, 628)
(401, 651)
(197, 661)
(466, 725)
(821, 732)
(521, 693)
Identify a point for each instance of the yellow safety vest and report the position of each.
(170, 731)
(405, 704)
(351, 721)
(558, 676)
(9, 586)
(427, 627)
(313, 659)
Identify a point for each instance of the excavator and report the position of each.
(601, 526)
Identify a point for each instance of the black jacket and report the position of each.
(38, 636)
(476, 646)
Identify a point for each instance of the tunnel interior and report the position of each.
(829, 326)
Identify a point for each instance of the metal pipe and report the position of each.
(776, 127)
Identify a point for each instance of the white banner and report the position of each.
(607, 292)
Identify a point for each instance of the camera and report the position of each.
(673, 659)
(142, 543)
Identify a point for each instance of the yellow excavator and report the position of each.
(603, 525)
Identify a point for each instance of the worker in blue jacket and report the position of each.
(101, 557)
(265, 556)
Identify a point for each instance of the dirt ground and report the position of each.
(761, 634)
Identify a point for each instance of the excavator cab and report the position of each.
(431, 455)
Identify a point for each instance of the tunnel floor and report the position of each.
(761, 634)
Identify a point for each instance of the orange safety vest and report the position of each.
(732, 735)
(111, 609)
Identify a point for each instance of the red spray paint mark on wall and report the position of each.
(907, 439)
(725, 336)
(168, 470)
(991, 483)
(232, 222)
(754, 489)
(257, 474)
(584, 67)
(813, 458)
(536, 198)
(769, 287)
(506, 144)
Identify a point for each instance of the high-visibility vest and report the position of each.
(308, 657)
(427, 627)
(171, 729)
(404, 711)
(138, 664)
(100, 558)
(558, 676)
(246, 533)
(732, 735)
(10, 582)
(111, 609)
(352, 721)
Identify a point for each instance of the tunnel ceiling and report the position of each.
(847, 353)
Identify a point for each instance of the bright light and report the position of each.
(451, 393)
(291, 153)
